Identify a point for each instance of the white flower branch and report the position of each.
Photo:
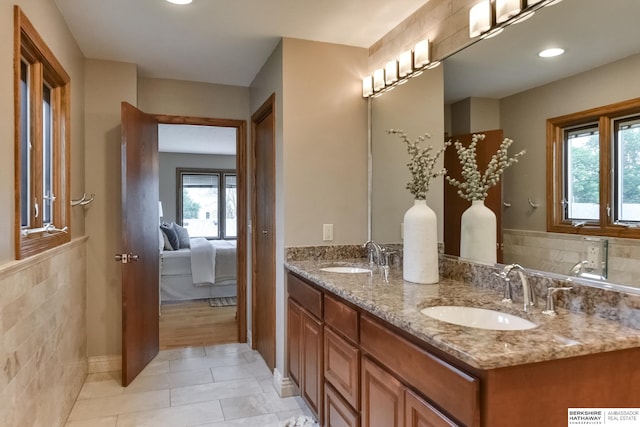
(475, 185)
(421, 164)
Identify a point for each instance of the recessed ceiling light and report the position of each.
(180, 2)
(548, 53)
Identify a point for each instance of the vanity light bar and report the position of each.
(488, 18)
(396, 72)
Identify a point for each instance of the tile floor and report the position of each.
(222, 385)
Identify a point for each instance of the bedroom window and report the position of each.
(41, 90)
(593, 164)
(207, 202)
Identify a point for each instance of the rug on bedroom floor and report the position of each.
(222, 301)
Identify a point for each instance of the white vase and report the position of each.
(420, 252)
(478, 233)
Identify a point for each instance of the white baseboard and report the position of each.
(99, 364)
(284, 385)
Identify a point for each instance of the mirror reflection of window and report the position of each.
(627, 180)
(582, 174)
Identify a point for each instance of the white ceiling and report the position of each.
(592, 32)
(224, 42)
(227, 42)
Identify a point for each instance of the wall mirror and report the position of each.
(501, 82)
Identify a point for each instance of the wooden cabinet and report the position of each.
(294, 334)
(337, 412)
(311, 383)
(418, 413)
(342, 367)
(305, 342)
(451, 389)
(382, 397)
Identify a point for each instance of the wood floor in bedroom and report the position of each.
(195, 323)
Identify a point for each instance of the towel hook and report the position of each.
(83, 201)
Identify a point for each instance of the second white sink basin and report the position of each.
(478, 318)
(346, 269)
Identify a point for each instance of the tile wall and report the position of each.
(557, 253)
(43, 335)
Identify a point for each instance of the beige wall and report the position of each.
(523, 117)
(168, 162)
(325, 143)
(107, 85)
(417, 108)
(51, 26)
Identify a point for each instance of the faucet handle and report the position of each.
(388, 255)
(507, 297)
(550, 309)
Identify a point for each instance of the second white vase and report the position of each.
(420, 253)
(478, 233)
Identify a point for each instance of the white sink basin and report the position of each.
(478, 318)
(345, 269)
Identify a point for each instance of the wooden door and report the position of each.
(263, 236)
(140, 268)
(312, 372)
(294, 332)
(454, 205)
(382, 397)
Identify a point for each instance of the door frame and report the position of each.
(241, 176)
(268, 107)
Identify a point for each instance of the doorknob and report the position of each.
(125, 258)
(264, 231)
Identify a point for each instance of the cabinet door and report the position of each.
(294, 332)
(312, 384)
(382, 397)
(337, 412)
(419, 413)
(342, 366)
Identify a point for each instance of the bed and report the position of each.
(207, 269)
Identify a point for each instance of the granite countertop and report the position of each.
(398, 302)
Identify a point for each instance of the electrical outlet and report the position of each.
(593, 257)
(327, 232)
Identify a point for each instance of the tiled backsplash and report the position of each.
(559, 252)
(43, 343)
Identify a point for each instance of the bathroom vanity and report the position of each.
(363, 354)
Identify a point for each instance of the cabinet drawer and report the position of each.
(337, 412)
(417, 412)
(304, 294)
(342, 366)
(341, 317)
(448, 387)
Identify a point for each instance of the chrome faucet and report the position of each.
(527, 291)
(374, 251)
